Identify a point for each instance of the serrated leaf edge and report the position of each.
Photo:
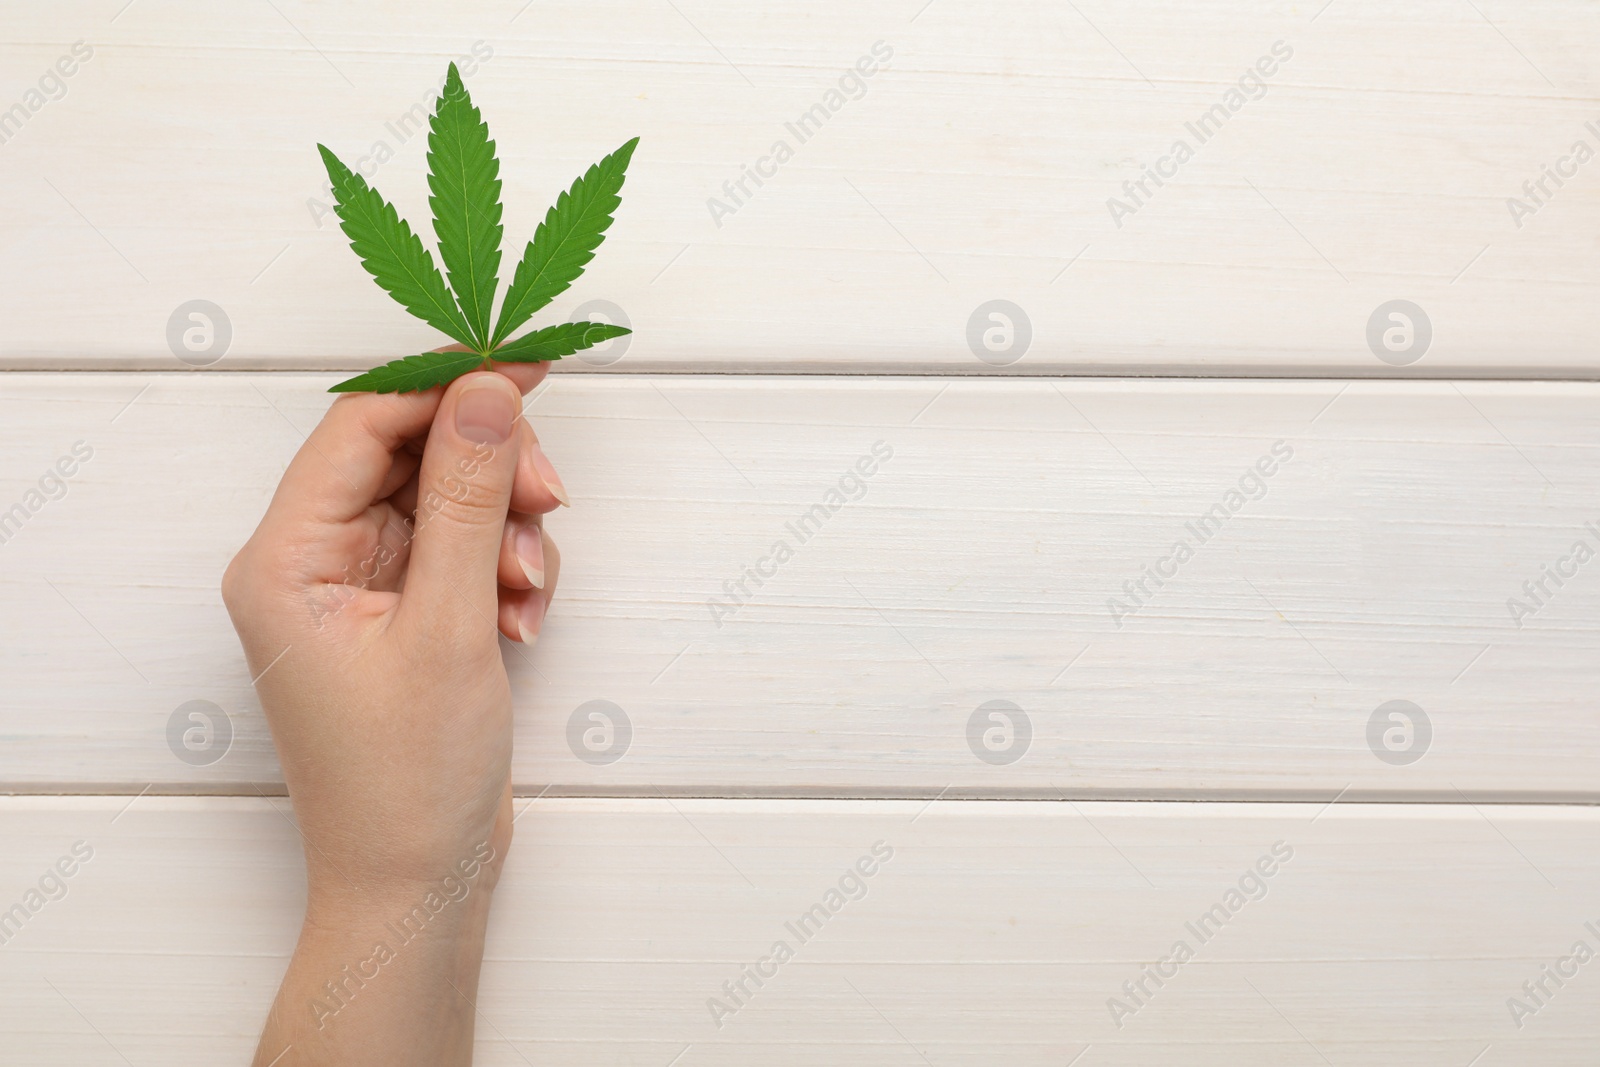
(510, 317)
(372, 380)
(448, 312)
(473, 119)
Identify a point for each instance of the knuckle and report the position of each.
(473, 506)
(472, 491)
(235, 581)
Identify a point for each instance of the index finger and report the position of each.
(338, 472)
(523, 375)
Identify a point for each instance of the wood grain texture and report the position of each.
(975, 565)
(994, 931)
(977, 165)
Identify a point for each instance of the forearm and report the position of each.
(390, 982)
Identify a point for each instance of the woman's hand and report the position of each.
(405, 534)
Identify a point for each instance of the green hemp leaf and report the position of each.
(464, 178)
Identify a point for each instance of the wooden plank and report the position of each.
(979, 164)
(977, 564)
(1390, 934)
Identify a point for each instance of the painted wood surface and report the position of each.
(991, 930)
(979, 601)
(1356, 154)
(987, 557)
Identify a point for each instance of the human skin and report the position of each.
(404, 539)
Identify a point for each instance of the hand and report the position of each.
(404, 534)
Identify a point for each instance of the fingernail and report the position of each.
(531, 618)
(530, 554)
(484, 412)
(552, 480)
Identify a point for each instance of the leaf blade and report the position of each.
(565, 241)
(412, 374)
(390, 252)
(556, 341)
(463, 175)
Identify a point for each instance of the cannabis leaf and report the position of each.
(464, 178)
(463, 174)
(413, 373)
(392, 254)
(553, 342)
(565, 241)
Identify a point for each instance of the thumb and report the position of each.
(463, 494)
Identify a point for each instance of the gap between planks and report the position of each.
(897, 371)
(1429, 798)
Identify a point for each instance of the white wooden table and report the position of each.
(990, 661)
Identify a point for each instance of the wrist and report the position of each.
(448, 891)
(371, 962)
